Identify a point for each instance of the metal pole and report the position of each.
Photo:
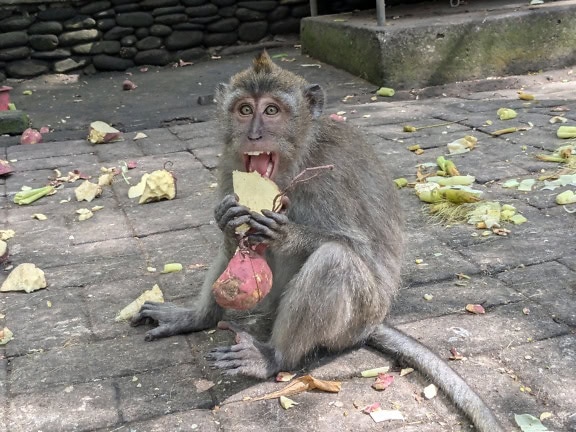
(380, 11)
(313, 7)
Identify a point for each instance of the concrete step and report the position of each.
(432, 43)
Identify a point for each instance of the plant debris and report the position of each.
(6, 335)
(87, 191)
(25, 277)
(103, 133)
(302, 384)
(26, 197)
(154, 295)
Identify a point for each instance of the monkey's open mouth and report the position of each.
(262, 162)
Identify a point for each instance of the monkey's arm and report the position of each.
(282, 235)
(206, 312)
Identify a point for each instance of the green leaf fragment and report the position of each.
(510, 183)
(371, 373)
(526, 185)
(401, 182)
(566, 197)
(566, 132)
(172, 268)
(517, 219)
(385, 91)
(29, 196)
(529, 423)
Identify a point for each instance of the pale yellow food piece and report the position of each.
(26, 277)
(137, 190)
(254, 191)
(159, 185)
(5, 336)
(154, 295)
(87, 191)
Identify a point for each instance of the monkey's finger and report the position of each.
(236, 222)
(227, 202)
(279, 218)
(231, 214)
(158, 333)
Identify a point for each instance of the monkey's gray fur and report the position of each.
(335, 252)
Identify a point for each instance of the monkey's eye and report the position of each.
(245, 109)
(271, 110)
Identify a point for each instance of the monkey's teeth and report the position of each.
(269, 169)
(254, 153)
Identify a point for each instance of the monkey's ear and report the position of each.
(221, 90)
(315, 96)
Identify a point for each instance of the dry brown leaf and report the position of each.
(302, 384)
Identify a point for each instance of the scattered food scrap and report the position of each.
(385, 92)
(102, 133)
(26, 197)
(3, 251)
(372, 373)
(154, 295)
(430, 391)
(31, 136)
(529, 423)
(159, 185)
(383, 381)
(172, 268)
(5, 168)
(302, 384)
(25, 277)
(6, 335)
(475, 309)
(287, 403)
(87, 191)
(506, 114)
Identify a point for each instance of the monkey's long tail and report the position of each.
(392, 341)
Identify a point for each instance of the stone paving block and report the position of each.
(498, 256)
(166, 391)
(447, 297)
(57, 162)
(547, 368)
(50, 149)
(208, 156)
(46, 319)
(102, 270)
(318, 411)
(113, 358)
(212, 141)
(178, 214)
(118, 151)
(194, 130)
(194, 420)
(160, 141)
(501, 327)
(107, 223)
(439, 262)
(550, 284)
(187, 246)
(68, 407)
(103, 301)
(33, 179)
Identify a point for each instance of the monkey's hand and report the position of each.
(247, 357)
(171, 320)
(269, 228)
(230, 215)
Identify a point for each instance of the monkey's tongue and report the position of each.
(261, 163)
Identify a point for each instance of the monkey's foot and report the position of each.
(171, 320)
(247, 357)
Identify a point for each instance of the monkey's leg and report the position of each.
(320, 307)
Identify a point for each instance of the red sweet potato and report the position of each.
(245, 282)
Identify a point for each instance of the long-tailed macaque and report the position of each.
(335, 251)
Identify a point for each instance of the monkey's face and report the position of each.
(261, 137)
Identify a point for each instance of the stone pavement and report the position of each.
(70, 367)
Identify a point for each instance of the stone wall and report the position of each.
(63, 36)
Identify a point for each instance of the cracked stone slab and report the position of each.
(202, 420)
(534, 282)
(66, 407)
(46, 319)
(113, 358)
(165, 391)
